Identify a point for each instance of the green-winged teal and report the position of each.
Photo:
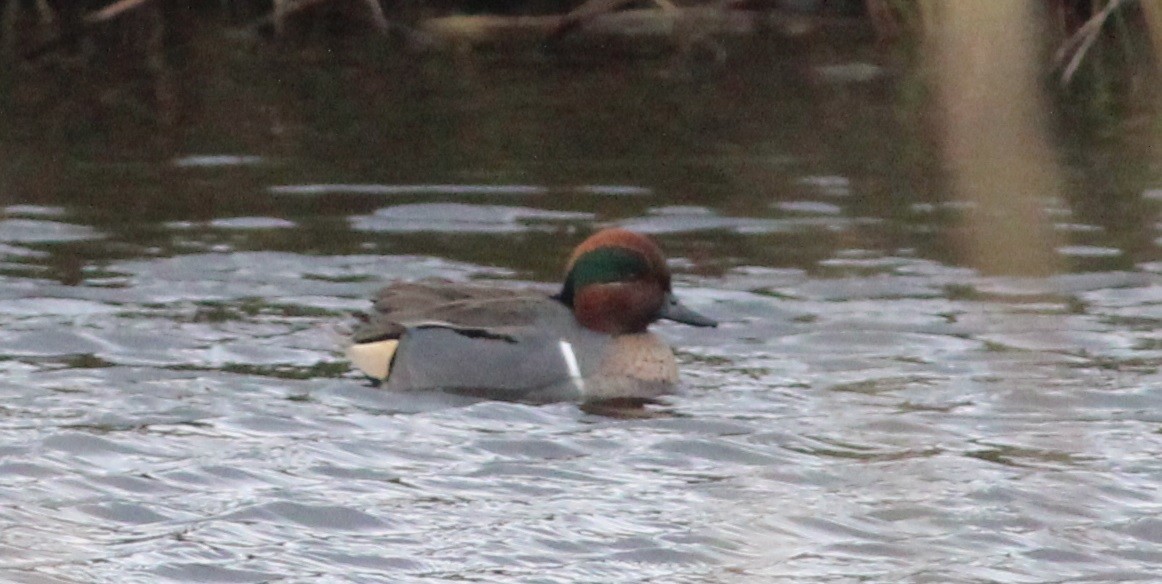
(588, 342)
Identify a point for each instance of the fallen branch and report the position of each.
(594, 8)
(113, 10)
(648, 24)
(93, 18)
(1079, 43)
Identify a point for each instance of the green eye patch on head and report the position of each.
(602, 266)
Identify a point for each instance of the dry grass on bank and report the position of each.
(34, 29)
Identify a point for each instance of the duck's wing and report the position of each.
(465, 316)
(475, 310)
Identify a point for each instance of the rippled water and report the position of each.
(175, 409)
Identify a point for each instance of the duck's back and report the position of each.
(399, 307)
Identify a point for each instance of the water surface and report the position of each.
(872, 409)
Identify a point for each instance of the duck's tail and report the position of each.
(373, 358)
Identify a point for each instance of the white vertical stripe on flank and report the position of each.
(571, 362)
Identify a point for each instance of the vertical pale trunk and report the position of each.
(987, 72)
(1152, 9)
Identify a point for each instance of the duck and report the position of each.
(589, 342)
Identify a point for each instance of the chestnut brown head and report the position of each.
(617, 282)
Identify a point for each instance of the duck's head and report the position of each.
(617, 283)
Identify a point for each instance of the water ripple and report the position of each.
(890, 419)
